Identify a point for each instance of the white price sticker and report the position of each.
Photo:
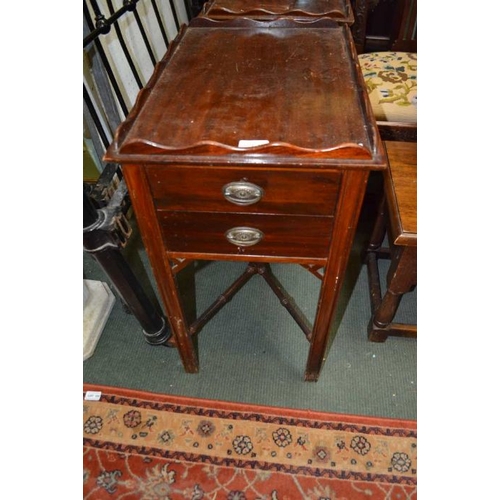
(251, 143)
(93, 395)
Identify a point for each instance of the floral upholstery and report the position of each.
(391, 80)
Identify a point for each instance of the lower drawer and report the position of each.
(283, 235)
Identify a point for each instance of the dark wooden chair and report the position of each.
(388, 61)
(394, 28)
(390, 71)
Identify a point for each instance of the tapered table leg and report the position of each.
(349, 207)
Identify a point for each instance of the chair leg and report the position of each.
(379, 228)
(401, 278)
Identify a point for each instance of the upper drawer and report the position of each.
(202, 189)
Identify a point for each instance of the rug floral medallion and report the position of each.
(149, 446)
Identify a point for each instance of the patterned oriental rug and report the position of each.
(148, 446)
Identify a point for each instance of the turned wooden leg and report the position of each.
(377, 329)
(401, 278)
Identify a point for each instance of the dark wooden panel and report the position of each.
(398, 131)
(291, 236)
(286, 192)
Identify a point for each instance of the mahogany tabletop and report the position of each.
(401, 191)
(297, 90)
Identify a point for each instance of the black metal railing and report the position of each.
(107, 99)
(109, 93)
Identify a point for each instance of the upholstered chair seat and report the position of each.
(391, 80)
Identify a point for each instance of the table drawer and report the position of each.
(201, 189)
(290, 236)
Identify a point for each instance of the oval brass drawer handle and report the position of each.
(242, 193)
(244, 236)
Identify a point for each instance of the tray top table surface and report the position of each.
(298, 90)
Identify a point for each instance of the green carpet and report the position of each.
(253, 351)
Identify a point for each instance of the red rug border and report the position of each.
(267, 410)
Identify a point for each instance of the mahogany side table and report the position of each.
(397, 217)
(251, 143)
